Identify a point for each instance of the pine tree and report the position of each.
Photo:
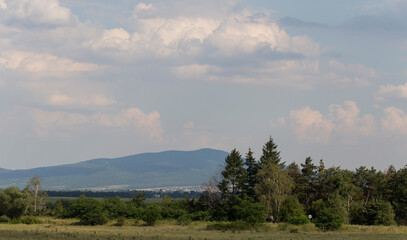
(270, 154)
(251, 172)
(233, 175)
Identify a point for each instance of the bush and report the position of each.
(327, 220)
(121, 221)
(115, 207)
(250, 212)
(374, 213)
(292, 211)
(13, 202)
(135, 212)
(299, 219)
(4, 219)
(152, 214)
(201, 216)
(184, 220)
(29, 220)
(96, 217)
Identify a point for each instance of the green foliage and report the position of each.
(115, 207)
(298, 219)
(252, 168)
(184, 220)
(270, 155)
(292, 211)
(327, 220)
(201, 216)
(13, 202)
(138, 200)
(233, 176)
(29, 220)
(152, 214)
(374, 213)
(273, 188)
(250, 212)
(94, 217)
(4, 219)
(326, 217)
(121, 221)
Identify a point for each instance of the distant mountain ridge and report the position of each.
(145, 170)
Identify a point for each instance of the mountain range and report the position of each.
(140, 171)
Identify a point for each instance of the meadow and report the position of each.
(51, 228)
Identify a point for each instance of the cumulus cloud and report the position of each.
(394, 121)
(43, 63)
(37, 12)
(234, 34)
(56, 122)
(342, 121)
(392, 91)
(311, 125)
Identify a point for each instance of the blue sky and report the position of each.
(87, 79)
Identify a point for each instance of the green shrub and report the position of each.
(115, 207)
(201, 216)
(121, 221)
(327, 220)
(95, 217)
(299, 219)
(184, 220)
(250, 212)
(135, 212)
(15, 221)
(152, 214)
(291, 207)
(13, 202)
(4, 219)
(29, 220)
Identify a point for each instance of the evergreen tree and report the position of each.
(306, 183)
(270, 155)
(251, 172)
(233, 176)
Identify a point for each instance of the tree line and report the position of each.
(247, 190)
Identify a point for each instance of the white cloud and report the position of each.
(3, 5)
(355, 69)
(38, 12)
(311, 125)
(56, 123)
(44, 63)
(242, 33)
(59, 99)
(392, 91)
(341, 121)
(394, 121)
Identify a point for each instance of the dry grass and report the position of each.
(68, 229)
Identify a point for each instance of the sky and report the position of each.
(83, 79)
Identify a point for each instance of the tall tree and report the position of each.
(252, 168)
(273, 188)
(37, 196)
(234, 175)
(270, 154)
(306, 184)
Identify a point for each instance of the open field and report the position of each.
(68, 229)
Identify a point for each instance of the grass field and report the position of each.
(68, 229)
